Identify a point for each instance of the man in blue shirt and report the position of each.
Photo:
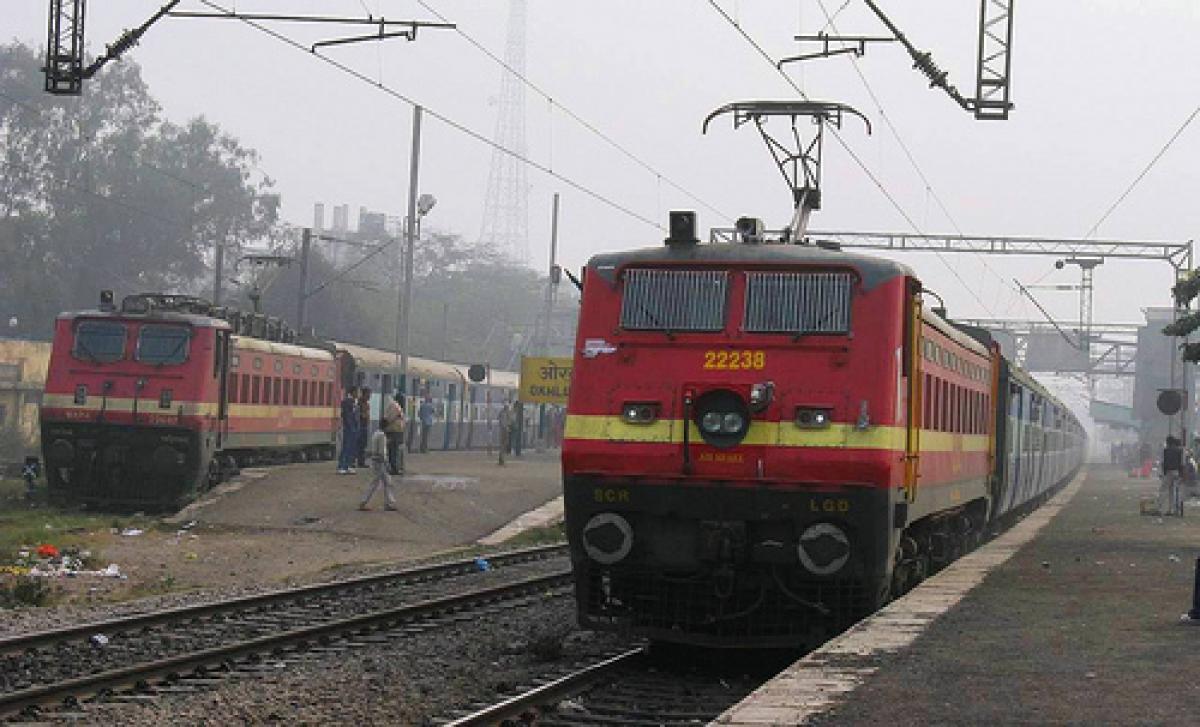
(350, 427)
(425, 415)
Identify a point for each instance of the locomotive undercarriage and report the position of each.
(931, 543)
(722, 566)
(129, 466)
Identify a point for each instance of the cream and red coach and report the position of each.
(766, 442)
(146, 405)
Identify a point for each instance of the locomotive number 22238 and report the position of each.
(735, 360)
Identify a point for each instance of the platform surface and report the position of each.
(1078, 625)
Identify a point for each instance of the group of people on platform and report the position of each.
(384, 450)
(1178, 472)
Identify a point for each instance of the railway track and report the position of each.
(136, 657)
(632, 689)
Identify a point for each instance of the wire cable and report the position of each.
(1138, 179)
(895, 132)
(457, 126)
(846, 147)
(574, 116)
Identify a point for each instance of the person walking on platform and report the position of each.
(393, 426)
(425, 414)
(377, 452)
(350, 425)
(364, 428)
(1170, 498)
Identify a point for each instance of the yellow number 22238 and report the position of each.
(735, 360)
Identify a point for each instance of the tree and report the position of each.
(101, 192)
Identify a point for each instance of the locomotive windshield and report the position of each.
(162, 345)
(674, 300)
(797, 303)
(99, 341)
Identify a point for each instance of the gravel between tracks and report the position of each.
(407, 681)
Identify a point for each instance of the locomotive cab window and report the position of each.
(674, 300)
(163, 345)
(798, 303)
(99, 341)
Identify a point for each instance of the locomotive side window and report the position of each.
(798, 303)
(674, 300)
(99, 341)
(163, 345)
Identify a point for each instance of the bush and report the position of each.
(20, 590)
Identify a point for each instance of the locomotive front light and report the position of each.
(824, 549)
(164, 399)
(723, 418)
(607, 538)
(640, 412)
(711, 422)
(81, 395)
(813, 417)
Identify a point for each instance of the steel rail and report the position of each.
(171, 667)
(125, 623)
(555, 691)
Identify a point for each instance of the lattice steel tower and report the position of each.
(506, 206)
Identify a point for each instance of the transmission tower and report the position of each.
(506, 204)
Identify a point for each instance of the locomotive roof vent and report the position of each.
(682, 228)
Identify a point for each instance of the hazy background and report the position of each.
(1098, 85)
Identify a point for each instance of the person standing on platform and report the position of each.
(425, 414)
(377, 452)
(393, 426)
(364, 425)
(1170, 501)
(350, 425)
(504, 427)
(1145, 462)
(517, 431)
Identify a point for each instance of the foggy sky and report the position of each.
(1099, 86)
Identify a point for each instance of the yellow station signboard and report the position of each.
(545, 380)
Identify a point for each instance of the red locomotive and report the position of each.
(765, 442)
(148, 405)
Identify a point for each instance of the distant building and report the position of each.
(1155, 354)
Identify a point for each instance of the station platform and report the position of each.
(1072, 616)
(298, 522)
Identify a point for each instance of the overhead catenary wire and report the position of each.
(555, 103)
(456, 125)
(1142, 175)
(846, 147)
(895, 132)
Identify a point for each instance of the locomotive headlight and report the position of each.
(723, 418)
(164, 399)
(607, 538)
(639, 412)
(813, 417)
(712, 421)
(81, 395)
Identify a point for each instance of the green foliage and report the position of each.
(18, 591)
(101, 192)
(1187, 288)
(470, 303)
(1184, 326)
(1191, 352)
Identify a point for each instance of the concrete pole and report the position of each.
(218, 270)
(550, 276)
(302, 294)
(410, 226)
